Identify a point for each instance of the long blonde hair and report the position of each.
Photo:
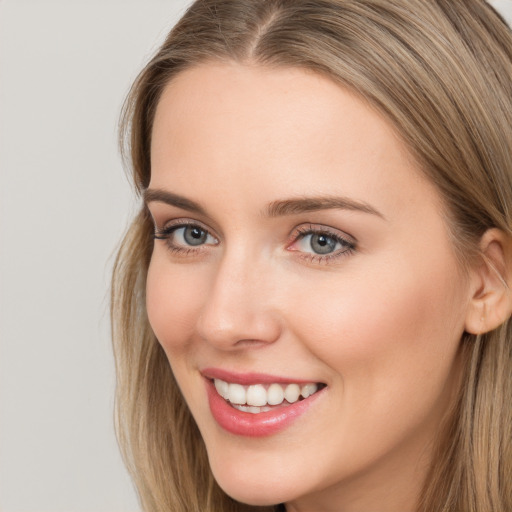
(441, 71)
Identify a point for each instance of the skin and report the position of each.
(379, 324)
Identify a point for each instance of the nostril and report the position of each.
(253, 343)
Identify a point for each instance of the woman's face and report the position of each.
(299, 248)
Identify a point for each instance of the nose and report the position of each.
(239, 309)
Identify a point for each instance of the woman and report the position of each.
(311, 310)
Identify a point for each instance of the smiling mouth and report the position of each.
(258, 398)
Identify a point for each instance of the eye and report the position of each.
(321, 243)
(185, 236)
(191, 235)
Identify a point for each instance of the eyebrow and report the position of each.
(313, 204)
(162, 196)
(279, 208)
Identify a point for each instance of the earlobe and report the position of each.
(491, 294)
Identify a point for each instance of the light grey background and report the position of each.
(65, 66)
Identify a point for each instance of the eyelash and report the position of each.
(300, 233)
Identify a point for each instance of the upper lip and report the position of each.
(248, 378)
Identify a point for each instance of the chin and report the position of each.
(252, 494)
(260, 489)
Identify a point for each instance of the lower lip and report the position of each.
(255, 425)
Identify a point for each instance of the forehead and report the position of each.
(260, 104)
(283, 132)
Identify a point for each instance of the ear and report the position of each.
(491, 299)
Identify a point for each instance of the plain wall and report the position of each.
(65, 67)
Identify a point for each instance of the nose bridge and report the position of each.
(239, 302)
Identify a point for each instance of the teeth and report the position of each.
(222, 388)
(292, 393)
(251, 409)
(237, 394)
(258, 396)
(308, 390)
(275, 394)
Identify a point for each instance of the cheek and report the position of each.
(392, 327)
(174, 295)
(389, 339)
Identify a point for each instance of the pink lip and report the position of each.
(254, 425)
(249, 378)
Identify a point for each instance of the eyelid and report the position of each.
(309, 227)
(174, 224)
(162, 215)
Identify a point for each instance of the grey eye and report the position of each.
(186, 236)
(322, 244)
(193, 235)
